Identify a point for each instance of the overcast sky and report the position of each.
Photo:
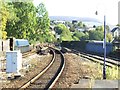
(83, 8)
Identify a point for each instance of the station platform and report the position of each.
(97, 84)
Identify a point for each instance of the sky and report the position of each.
(83, 8)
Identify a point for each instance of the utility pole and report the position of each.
(104, 66)
(104, 46)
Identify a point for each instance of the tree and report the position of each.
(109, 37)
(78, 34)
(81, 25)
(43, 32)
(85, 37)
(75, 38)
(43, 19)
(96, 35)
(3, 19)
(107, 28)
(100, 28)
(58, 29)
(65, 34)
(23, 25)
(72, 29)
(69, 24)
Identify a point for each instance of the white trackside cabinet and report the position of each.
(13, 61)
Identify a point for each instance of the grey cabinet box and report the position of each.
(13, 61)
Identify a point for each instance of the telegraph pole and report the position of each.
(104, 66)
(104, 46)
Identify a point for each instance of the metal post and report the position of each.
(2, 44)
(104, 68)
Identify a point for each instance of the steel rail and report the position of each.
(56, 76)
(58, 73)
(99, 59)
(38, 75)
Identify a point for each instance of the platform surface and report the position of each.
(98, 84)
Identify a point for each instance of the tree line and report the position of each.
(24, 20)
(72, 34)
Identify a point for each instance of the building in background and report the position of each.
(116, 32)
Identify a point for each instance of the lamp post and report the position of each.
(104, 47)
(104, 66)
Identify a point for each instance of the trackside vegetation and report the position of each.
(27, 21)
(24, 20)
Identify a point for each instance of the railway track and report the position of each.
(109, 61)
(26, 54)
(99, 59)
(29, 53)
(109, 57)
(48, 77)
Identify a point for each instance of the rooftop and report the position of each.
(21, 42)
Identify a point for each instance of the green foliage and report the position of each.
(43, 32)
(24, 20)
(96, 35)
(85, 37)
(109, 37)
(58, 29)
(81, 25)
(100, 28)
(22, 26)
(112, 73)
(3, 19)
(0, 34)
(65, 34)
(43, 19)
(69, 24)
(78, 34)
(75, 38)
(72, 29)
(107, 28)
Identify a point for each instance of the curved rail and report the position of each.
(56, 76)
(58, 73)
(40, 74)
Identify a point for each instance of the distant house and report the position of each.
(59, 21)
(90, 28)
(81, 29)
(74, 21)
(115, 32)
(85, 29)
